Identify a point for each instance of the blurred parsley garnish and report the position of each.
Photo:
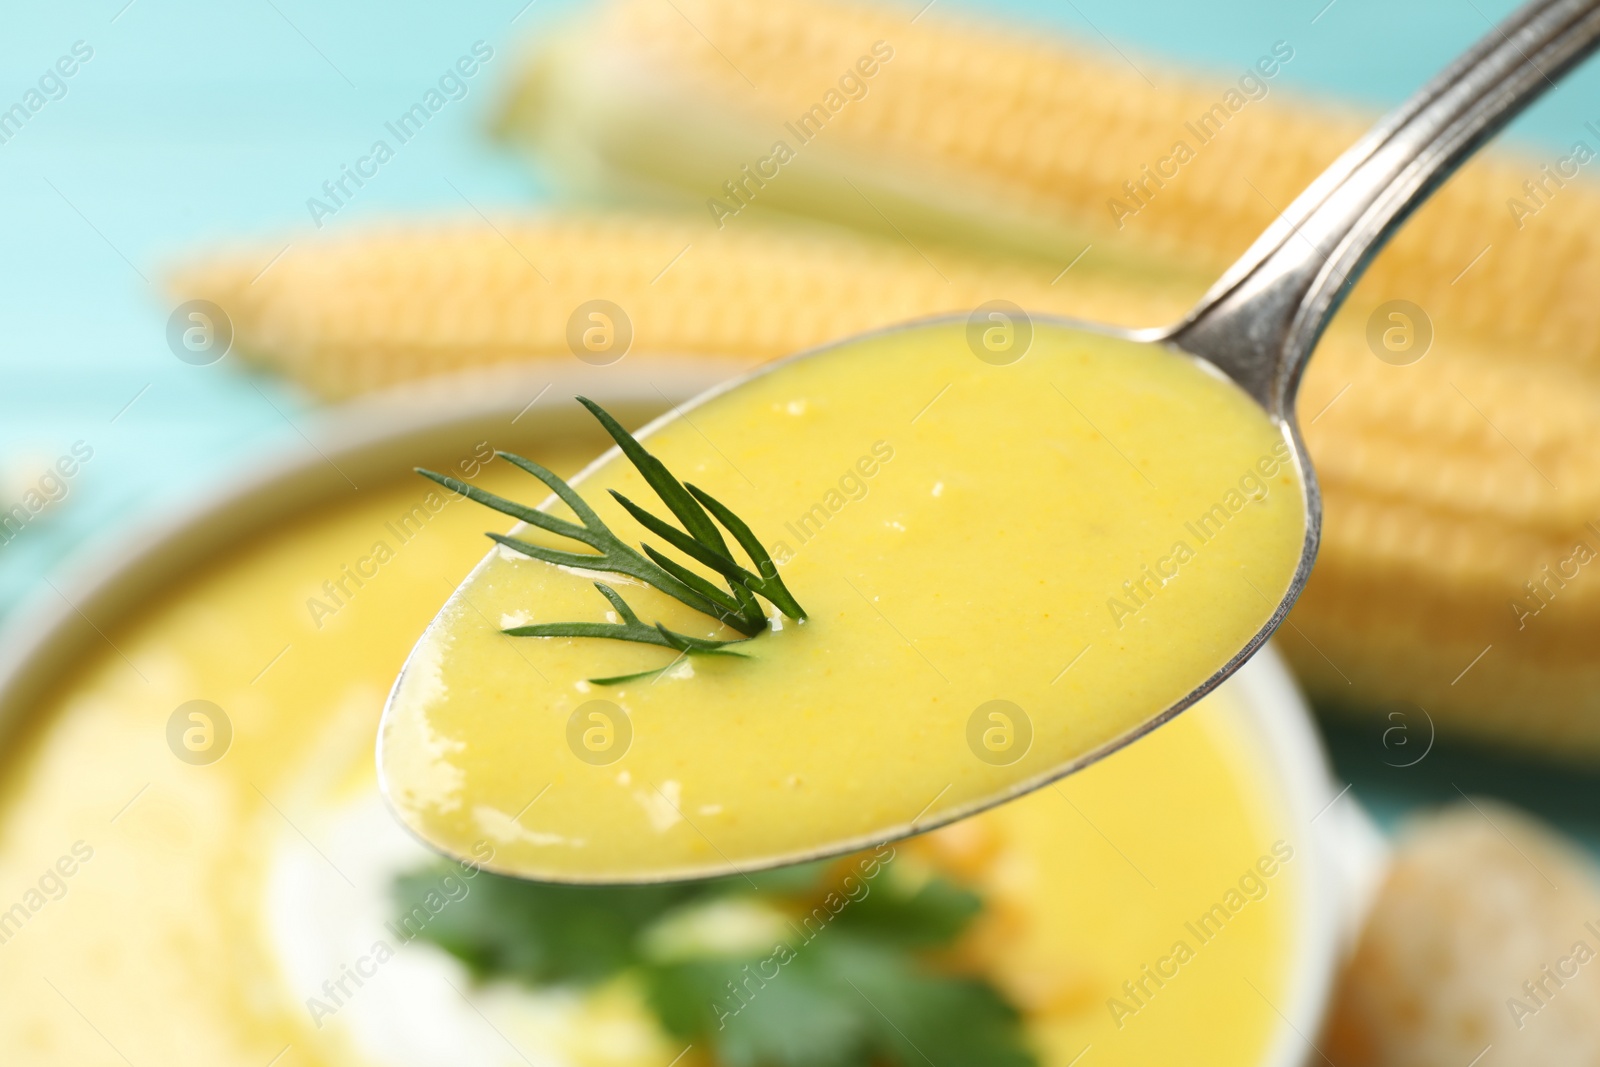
(847, 978)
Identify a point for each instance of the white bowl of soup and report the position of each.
(196, 865)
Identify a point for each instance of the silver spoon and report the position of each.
(1261, 321)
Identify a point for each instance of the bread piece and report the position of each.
(1483, 948)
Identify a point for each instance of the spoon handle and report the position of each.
(1260, 322)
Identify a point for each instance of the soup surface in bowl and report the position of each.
(214, 883)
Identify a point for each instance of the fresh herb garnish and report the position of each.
(699, 512)
(850, 977)
(629, 629)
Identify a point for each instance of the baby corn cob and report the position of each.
(1450, 484)
(350, 315)
(1012, 141)
(1462, 512)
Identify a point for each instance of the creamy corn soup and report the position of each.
(183, 887)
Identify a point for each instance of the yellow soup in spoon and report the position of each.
(1008, 565)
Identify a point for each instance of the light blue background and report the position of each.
(198, 122)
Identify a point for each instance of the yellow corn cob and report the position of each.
(1435, 520)
(1019, 142)
(347, 316)
(1449, 486)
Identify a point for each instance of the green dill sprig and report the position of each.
(699, 513)
(631, 628)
